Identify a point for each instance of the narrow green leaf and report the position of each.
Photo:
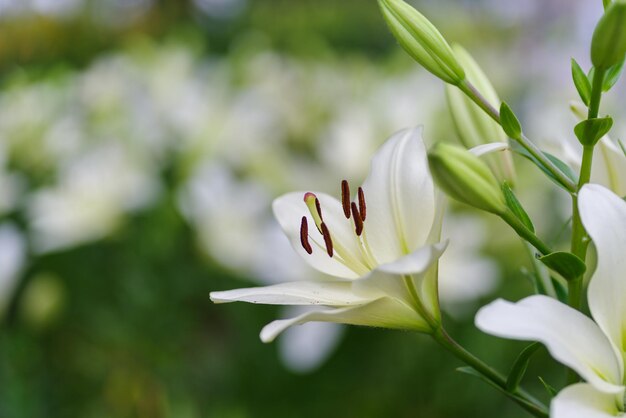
(522, 401)
(563, 167)
(566, 264)
(519, 367)
(590, 131)
(581, 82)
(516, 207)
(510, 123)
(551, 391)
(612, 75)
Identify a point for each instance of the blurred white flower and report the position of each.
(229, 216)
(464, 274)
(12, 259)
(92, 194)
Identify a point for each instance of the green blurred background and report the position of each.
(141, 144)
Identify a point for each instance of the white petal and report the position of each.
(604, 217)
(417, 262)
(609, 168)
(571, 337)
(485, 149)
(584, 401)
(400, 197)
(297, 293)
(305, 348)
(384, 312)
(289, 210)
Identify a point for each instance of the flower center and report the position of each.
(360, 262)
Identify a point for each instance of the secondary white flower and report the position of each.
(595, 350)
(93, 193)
(465, 274)
(381, 246)
(609, 159)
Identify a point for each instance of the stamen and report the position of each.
(358, 222)
(327, 240)
(313, 203)
(345, 198)
(362, 207)
(304, 236)
(318, 207)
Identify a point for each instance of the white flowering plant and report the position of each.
(378, 246)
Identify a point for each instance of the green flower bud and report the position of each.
(421, 40)
(466, 178)
(608, 46)
(472, 124)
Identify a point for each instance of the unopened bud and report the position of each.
(608, 46)
(421, 40)
(472, 124)
(466, 178)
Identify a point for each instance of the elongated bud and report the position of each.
(466, 178)
(608, 46)
(421, 40)
(472, 124)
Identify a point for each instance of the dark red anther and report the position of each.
(358, 222)
(345, 198)
(304, 236)
(327, 240)
(318, 207)
(362, 207)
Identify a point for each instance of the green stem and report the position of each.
(471, 92)
(579, 236)
(520, 396)
(580, 240)
(525, 233)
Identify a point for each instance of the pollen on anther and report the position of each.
(327, 240)
(362, 207)
(358, 222)
(304, 236)
(345, 198)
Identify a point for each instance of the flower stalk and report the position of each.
(471, 92)
(580, 240)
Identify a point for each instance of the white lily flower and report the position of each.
(391, 229)
(595, 350)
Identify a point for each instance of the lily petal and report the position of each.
(604, 216)
(610, 169)
(485, 149)
(584, 401)
(400, 197)
(289, 210)
(298, 293)
(417, 262)
(304, 349)
(383, 312)
(571, 337)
